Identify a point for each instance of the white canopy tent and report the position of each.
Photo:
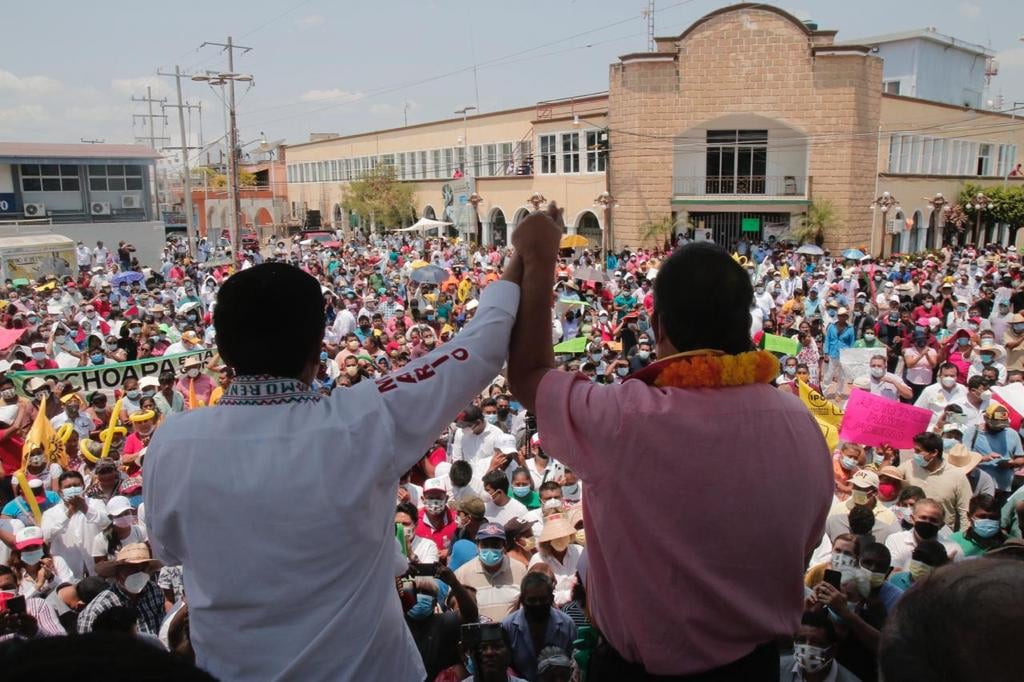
(424, 224)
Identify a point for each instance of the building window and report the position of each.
(460, 159)
(388, 160)
(491, 156)
(546, 145)
(449, 163)
(114, 178)
(1007, 157)
(891, 87)
(508, 166)
(570, 152)
(984, 166)
(597, 150)
(522, 158)
(49, 177)
(435, 164)
(423, 165)
(736, 161)
(476, 160)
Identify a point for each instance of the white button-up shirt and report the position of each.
(71, 538)
(279, 503)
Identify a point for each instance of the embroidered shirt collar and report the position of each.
(267, 390)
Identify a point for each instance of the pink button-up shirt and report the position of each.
(701, 507)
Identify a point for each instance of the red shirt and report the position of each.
(45, 364)
(442, 536)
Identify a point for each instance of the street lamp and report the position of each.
(884, 203)
(229, 78)
(981, 203)
(465, 135)
(536, 199)
(607, 202)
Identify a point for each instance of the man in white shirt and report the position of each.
(100, 255)
(475, 439)
(928, 525)
(500, 508)
(885, 384)
(83, 257)
(71, 528)
(326, 465)
(945, 391)
(72, 414)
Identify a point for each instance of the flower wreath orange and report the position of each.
(708, 368)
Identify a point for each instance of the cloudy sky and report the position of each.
(68, 69)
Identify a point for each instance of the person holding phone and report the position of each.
(22, 616)
(435, 625)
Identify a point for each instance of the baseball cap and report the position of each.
(472, 505)
(28, 536)
(507, 444)
(997, 412)
(865, 478)
(434, 484)
(118, 505)
(490, 531)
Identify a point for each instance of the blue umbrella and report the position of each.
(429, 274)
(853, 254)
(126, 277)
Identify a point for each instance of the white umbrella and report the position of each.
(811, 250)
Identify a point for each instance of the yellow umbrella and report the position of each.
(418, 264)
(573, 241)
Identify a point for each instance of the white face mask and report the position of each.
(136, 582)
(433, 506)
(811, 658)
(878, 372)
(193, 373)
(37, 460)
(841, 561)
(948, 382)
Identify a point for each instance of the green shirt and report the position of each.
(531, 501)
(861, 343)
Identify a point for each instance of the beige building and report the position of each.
(730, 129)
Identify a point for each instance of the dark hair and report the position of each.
(461, 473)
(536, 579)
(488, 402)
(929, 442)
(470, 415)
(947, 365)
(407, 508)
(911, 491)
(549, 485)
(522, 470)
(497, 480)
(252, 342)
(116, 619)
(69, 475)
(877, 550)
(931, 552)
(90, 587)
(819, 619)
(983, 502)
(702, 299)
(862, 520)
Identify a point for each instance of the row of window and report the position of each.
(944, 156)
(486, 160)
(563, 153)
(65, 178)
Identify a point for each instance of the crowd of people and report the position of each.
(490, 535)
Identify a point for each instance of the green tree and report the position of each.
(1007, 206)
(376, 196)
(817, 222)
(659, 230)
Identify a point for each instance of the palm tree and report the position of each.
(660, 230)
(819, 219)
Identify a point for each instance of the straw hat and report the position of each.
(136, 554)
(962, 458)
(556, 526)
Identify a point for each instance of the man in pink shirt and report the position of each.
(707, 584)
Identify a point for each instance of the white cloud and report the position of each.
(137, 86)
(310, 21)
(22, 113)
(28, 85)
(969, 9)
(332, 94)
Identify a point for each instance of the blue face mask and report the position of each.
(985, 528)
(423, 607)
(848, 463)
(520, 490)
(490, 557)
(987, 358)
(920, 461)
(96, 358)
(33, 557)
(878, 459)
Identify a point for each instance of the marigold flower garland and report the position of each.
(712, 369)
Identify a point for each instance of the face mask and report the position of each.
(433, 506)
(8, 394)
(925, 530)
(193, 373)
(124, 521)
(570, 490)
(919, 569)
(920, 461)
(848, 463)
(491, 418)
(132, 395)
(877, 579)
(841, 561)
(860, 497)
(622, 371)
(156, 338)
(520, 490)
(963, 341)
(73, 491)
(352, 371)
(791, 371)
(644, 354)
(985, 528)
(811, 658)
(1018, 328)
(503, 413)
(134, 331)
(878, 372)
(560, 544)
(972, 326)
(38, 355)
(987, 395)
(888, 491)
(596, 357)
(987, 358)
(423, 607)
(37, 460)
(136, 582)
(987, 342)
(870, 338)
(877, 459)
(948, 443)
(148, 393)
(96, 358)
(490, 557)
(32, 558)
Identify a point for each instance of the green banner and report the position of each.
(577, 345)
(781, 344)
(110, 376)
(750, 225)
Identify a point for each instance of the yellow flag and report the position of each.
(193, 401)
(828, 415)
(26, 492)
(784, 271)
(43, 435)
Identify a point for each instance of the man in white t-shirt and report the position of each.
(500, 508)
(475, 438)
(71, 528)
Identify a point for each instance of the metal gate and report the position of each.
(726, 228)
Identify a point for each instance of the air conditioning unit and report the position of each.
(100, 208)
(131, 201)
(35, 210)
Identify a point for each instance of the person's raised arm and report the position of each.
(530, 354)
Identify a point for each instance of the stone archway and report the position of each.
(263, 217)
(587, 225)
(499, 228)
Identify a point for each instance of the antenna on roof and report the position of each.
(648, 14)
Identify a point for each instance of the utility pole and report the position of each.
(152, 139)
(236, 209)
(190, 228)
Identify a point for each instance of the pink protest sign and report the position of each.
(871, 420)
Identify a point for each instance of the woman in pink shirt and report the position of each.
(703, 427)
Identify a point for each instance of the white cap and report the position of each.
(507, 444)
(118, 505)
(433, 484)
(473, 304)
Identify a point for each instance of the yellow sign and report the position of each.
(828, 415)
